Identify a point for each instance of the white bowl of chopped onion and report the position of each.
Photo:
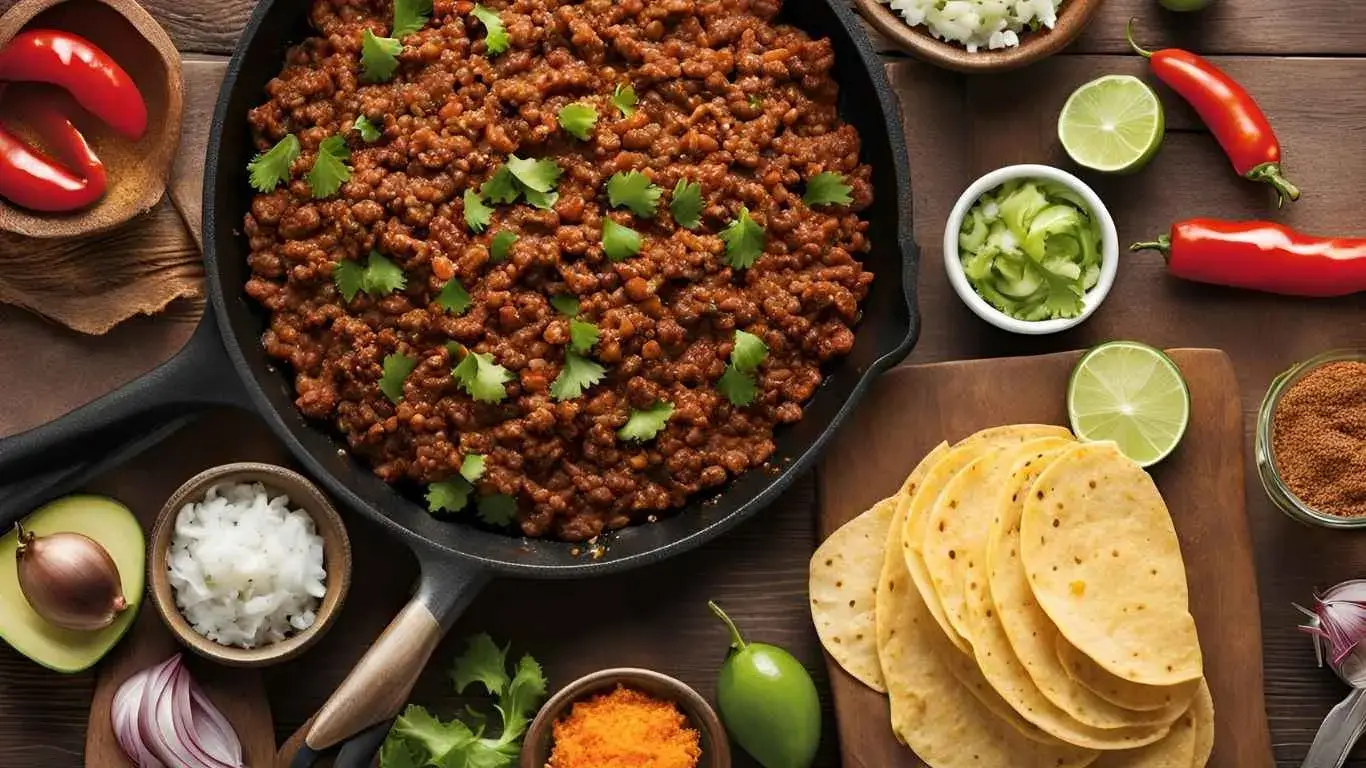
(249, 564)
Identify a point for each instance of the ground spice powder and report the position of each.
(1319, 436)
(624, 729)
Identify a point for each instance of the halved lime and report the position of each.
(1132, 394)
(1113, 124)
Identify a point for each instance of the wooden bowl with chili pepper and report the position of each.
(90, 107)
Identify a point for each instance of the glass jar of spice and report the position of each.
(1311, 440)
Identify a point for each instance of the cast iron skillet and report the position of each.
(457, 559)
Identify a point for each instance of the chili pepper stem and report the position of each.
(1270, 173)
(737, 641)
(1163, 245)
(1129, 35)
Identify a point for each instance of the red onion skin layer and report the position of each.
(163, 720)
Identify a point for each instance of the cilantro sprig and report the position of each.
(454, 298)
(644, 425)
(329, 169)
(396, 369)
(501, 245)
(270, 169)
(530, 178)
(827, 188)
(482, 378)
(738, 382)
(634, 190)
(378, 57)
(378, 277)
(419, 738)
(578, 120)
(579, 372)
(496, 41)
(619, 241)
(477, 213)
(369, 132)
(686, 204)
(745, 241)
(624, 99)
(410, 16)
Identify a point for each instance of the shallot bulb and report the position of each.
(69, 580)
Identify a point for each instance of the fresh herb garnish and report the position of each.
(579, 373)
(477, 214)
(378, 57)
(501, 245)
(534, 174)
(499, 509)
(738, 382)
(543, 200)
(396, 369)
(582, 335)
(624, 99)
(379, 277)
(472, 467)
(644, 425)
(270, 169)
(745, 241)
(566, 304)
(453, 297)
(827, 188)
(578, 119)
(618, 241)
(529, 177)
(686, 204)
(481, 378)
(496, 41)
(410, 16)
(369, 132)
(448, 495)
(329, 169)
(501, 187)
(739, 388)
(634, 190)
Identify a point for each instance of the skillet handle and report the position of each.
(378, 686)
(198, 376)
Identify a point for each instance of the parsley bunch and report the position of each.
(419, 738)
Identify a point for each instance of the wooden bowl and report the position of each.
(303, 494)
(1073, 17)
(138, 171)
(714, 741)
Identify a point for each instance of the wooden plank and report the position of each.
(203, 75)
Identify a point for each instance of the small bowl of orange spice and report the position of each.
(1311, 440)
(626, 716)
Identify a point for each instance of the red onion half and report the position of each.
(162, 719)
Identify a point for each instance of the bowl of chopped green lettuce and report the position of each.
(1031, 249)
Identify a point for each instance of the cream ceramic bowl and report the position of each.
(953, 264)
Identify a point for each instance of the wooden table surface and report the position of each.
(1304, 64)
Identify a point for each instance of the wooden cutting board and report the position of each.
(913, 408)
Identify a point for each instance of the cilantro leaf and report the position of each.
(634, 190)
(449, 495)
(566, 304)
(827, 188)
(644, 425)
(521, 699)
(397, 752)
(383, 277)
(501, 187)
(579, 373)
(686, 204)
(482, 662)
(624, 99)
(501, 245)
(378, 57)
(748, 352)
(532, 173)
(582, 335)
(329, 169)
(454, 298)
(496, 41)
(499, 509)
(619, 242)
(477, 214)
(543, 200)
(349, 277)
(410, 16)
(439, 739)
(482, 378)
(472, 468)
(737, 386)
(270, 169)
(369, 132)
(578, 119)
(396, 369)
(745, 241)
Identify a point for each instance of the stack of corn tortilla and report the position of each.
(1023, 602)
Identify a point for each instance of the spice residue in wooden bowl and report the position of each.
(1319, 438)
(625, 728)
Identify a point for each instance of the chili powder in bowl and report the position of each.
(1311, 440)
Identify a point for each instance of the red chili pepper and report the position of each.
(68, 61)
(1226, 108)
(1262, 256)
(31, 180)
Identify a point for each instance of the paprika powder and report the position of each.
(1319, 438)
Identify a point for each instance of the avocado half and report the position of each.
(107, 522)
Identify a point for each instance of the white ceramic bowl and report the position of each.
(953, 264)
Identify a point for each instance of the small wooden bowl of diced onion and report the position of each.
(249, 564)
(980, 35)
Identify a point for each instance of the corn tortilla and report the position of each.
(1120, 692)
(1176, 750)
(1202, 710)
(843, 583)
(1102, 556)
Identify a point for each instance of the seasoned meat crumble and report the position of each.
(727, 98)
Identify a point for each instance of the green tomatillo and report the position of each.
(768, 702)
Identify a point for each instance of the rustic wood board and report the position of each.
(912, 408)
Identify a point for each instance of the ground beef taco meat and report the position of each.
(726, 97)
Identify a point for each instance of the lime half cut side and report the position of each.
(1132, 394)
(1113, 124)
